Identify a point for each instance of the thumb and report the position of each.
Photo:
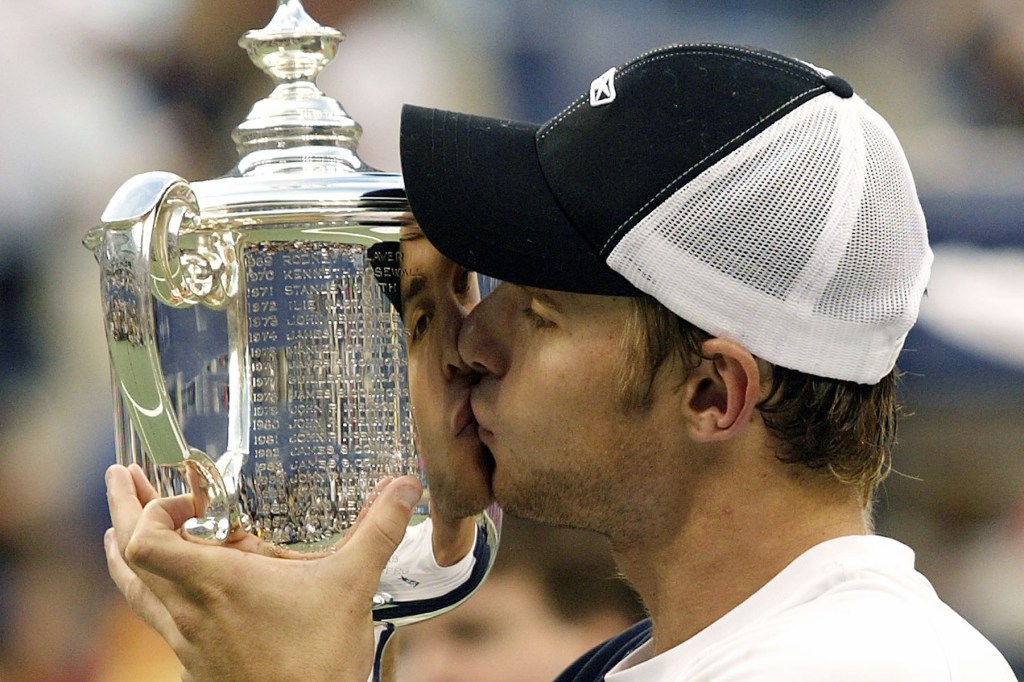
(377, 534)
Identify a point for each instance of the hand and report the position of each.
(246, 610)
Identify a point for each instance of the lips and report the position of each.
(486, 436)
(483, 433)
(464, 418)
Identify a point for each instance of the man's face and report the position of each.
(549, 407)
(436, 296)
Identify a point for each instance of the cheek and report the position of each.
(579, 386)
(418, 394)
(425, 394)
(559, 417)
(426, 381)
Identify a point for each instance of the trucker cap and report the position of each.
(754, 195)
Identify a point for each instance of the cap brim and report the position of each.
(477, 189)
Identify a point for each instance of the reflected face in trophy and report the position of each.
(436, 296)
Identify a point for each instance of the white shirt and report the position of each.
(850, 609)
(413, 574)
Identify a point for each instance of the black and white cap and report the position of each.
(754, 195)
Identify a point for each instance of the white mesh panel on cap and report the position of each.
(806, 244)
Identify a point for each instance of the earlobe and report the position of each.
(723, 391)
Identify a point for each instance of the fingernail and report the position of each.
(409, 495)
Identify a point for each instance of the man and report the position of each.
(447, 554)
(435, 296)
(712, 260)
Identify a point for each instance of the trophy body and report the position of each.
(257, 360)
(280, 357)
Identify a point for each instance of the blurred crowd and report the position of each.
(97, 92)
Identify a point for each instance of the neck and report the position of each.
(692, 571)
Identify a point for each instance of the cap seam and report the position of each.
(618, 230)
(801, 68)
(664, 53)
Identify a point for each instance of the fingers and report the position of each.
(156, 545)
(123, 502)
(144, 533)
(245, 541)
(144, 537)
(145, 546)
(127, 492)
(138, 595)
(377, 534)
(143, 488)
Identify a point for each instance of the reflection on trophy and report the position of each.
(257, 359)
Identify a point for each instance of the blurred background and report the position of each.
(97, 92)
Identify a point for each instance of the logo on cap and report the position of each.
(602, 89)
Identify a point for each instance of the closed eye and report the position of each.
(535, 318)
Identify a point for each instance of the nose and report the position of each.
(453, 366)
(482, 345)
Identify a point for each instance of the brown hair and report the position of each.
(845, 428)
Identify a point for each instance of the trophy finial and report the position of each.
(293, 46)
(296, 125)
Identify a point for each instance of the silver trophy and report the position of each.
(256, 356)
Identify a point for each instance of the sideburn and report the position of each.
(650, 336)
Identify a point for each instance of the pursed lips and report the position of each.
(464, 417)
(482, 432)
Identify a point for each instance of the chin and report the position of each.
(512, 500)
(533, 501)
(459, 503)
(464, 487)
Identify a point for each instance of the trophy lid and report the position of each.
(297, 146)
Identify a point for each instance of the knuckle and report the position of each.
(137, 552)
(388, 529)
(191, 629)
(135, 593)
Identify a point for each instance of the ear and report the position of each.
(722, 392)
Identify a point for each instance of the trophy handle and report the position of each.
(137, 248)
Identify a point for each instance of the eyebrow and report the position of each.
(417, 283)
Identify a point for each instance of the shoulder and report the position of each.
(595, 663)
(863, 629)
